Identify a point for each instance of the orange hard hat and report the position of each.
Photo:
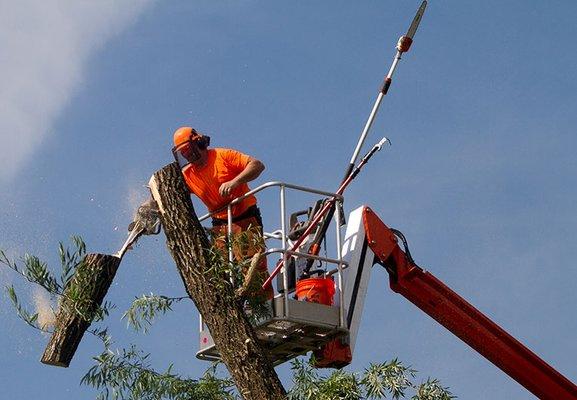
(183, 135)
(188, 144)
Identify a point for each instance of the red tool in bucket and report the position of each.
(316, 290)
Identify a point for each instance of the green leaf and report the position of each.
(12, 294)
(145, 309)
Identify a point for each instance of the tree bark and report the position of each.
(82, 299)
(233, 335)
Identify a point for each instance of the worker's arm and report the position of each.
(252, 171)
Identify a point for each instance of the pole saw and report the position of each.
(325, 214)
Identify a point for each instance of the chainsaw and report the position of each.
(146, 222)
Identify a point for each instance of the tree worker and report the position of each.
(217, 176)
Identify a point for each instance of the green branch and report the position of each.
(144, 309)
(36, 272)
(377, 382)
(25, 315)
(126, 374)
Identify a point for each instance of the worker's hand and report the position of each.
(226, 188)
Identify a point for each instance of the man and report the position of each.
(217, 176)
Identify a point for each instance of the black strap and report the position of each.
(252, 211)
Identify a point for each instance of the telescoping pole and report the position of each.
(403, 46)
(326, 213)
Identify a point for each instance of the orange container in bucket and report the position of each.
(316, 290)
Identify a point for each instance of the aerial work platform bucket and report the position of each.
(304, 316)
(294, 328)
(316, 290)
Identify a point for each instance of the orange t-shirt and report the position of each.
(222, 165)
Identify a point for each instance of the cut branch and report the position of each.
(80, 304)
(250, 275)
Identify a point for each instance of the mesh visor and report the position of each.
(186, 153)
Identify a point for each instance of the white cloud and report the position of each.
(44, 47)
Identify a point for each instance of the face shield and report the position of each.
(187, 153)
(190, 151)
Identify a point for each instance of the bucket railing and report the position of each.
(284, 251)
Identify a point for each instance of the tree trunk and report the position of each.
(82, 299)
(233, 335)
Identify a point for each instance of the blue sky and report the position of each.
(481, 176)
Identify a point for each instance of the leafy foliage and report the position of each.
(239, 245)
(25, 315)
(145, 308)
(432, 390)
(377, 381)
(392, 377)
(102, 334)
(126, 374)
(72, 262)
(36, 271)
(233, 274)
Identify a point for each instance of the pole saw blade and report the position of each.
(417, 20)
(403, 45)
(405, 41)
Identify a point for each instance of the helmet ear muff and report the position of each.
(203, 142)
